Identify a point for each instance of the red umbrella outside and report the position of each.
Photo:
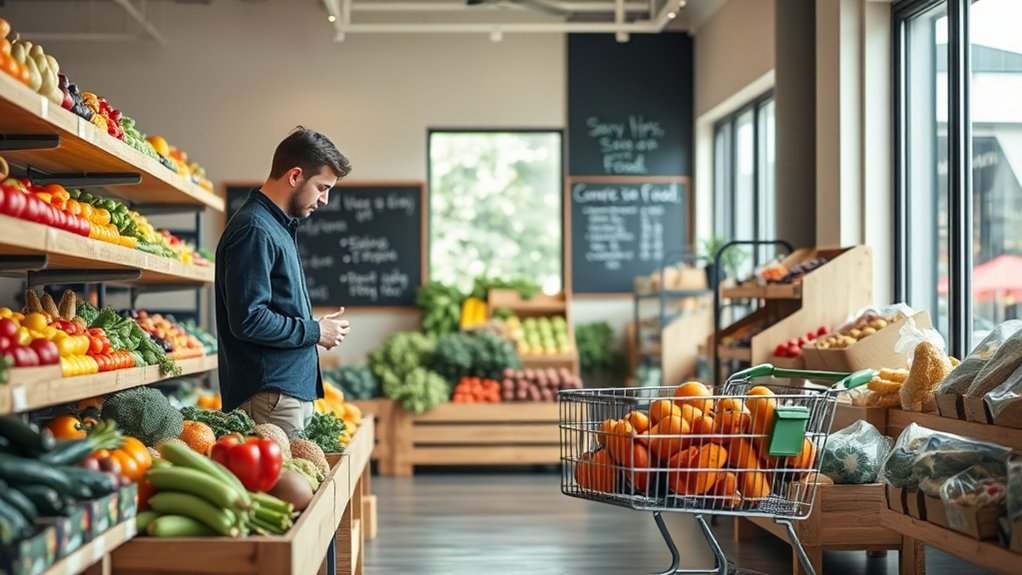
(1001, 275)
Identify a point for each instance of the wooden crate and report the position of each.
(381, 412)
(466, 434)
(872, 352)
(541, 305)
(335, 509)
(844, 517)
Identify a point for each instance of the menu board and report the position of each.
(364, 248)
(621, 228)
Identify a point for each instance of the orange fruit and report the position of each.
(606, 429)
(762, 409)
(694, 389)
(619, 443)
(198, 436)
(66, 427)
(704, 463)
(755, 485)
(726, 489)
(804, 460)
(595, 471)
(742, 456)
(673, 428)
(639, 421)
(662, 409)
(690, 413)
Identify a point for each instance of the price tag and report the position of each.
(44, 108)
(19, 398)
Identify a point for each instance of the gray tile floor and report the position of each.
(519, 523)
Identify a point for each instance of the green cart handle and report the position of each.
(849, 380)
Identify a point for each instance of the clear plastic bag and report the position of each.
(929, 365)
(998, 368)
(923, 458)
(897, 467)
(1006, 395)
(961, 378)
(1014, 497)
(855, 453)
(979, 486)
(892, 312)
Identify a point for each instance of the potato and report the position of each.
(522, 394)
(547, 395)
(508, 372)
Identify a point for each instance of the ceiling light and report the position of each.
(682, 3)
(672, 15)
(496, 36)
(331, 18)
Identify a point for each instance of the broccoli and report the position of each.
(419, 391)
(356, 381)
(221, 423)
(144, 413)
(453, 357)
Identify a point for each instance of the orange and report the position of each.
(673, 428)
(703, 463)
(755, 485)
(762, 409)
(694, 389)
(606, 429)
(726, 489)
(198, 436)
(639, 421)
(690, 413)
(804, 460)
(66, 427)
(730, 404)
(731, 422)
(661, 409)
(742, 456)
(619, 443)
(595, 471)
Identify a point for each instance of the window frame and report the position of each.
(561, 133)
(959, 137)
(730, 124)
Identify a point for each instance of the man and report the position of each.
(269, 364)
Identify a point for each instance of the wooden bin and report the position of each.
(844, 517)
(380, 410)
(873, 352)
(541, 305)
(300, 551)
(467, 434)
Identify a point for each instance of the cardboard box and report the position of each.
(127, 502)
(976, 522)
(788, 362)
(70, 531)
(935, 511)
(872, 352)
(950, 405)
(102, 514)
(30, 556)
(895, 499)
(976, 409)
(914, 504)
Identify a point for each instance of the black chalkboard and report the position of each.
(630, 105)
(621, 228)
(364, 248)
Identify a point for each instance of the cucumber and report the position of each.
(178, 526)
(16, 519)
(68, 452)
(24, 438)
(184, 456)
(186, 480)
(142, 520)
(98, 483)
(20, 470)
(216, 518)
(17, 499)
(47, 501)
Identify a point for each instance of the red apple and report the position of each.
(822, 331)
(8, 328)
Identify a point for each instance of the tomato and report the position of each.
(46, 350)
(95, 345)
(8, 328)
(36, 321)
(102, 361)
(24, 356)
(66, 427)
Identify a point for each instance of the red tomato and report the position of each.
(46, 350)
(95, 345)
(8, 328)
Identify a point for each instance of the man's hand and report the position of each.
(332, 329)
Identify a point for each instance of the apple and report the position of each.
(5, 343)
(811, 335)
(8, 328)
(15, 203)
(24, 356)
(46, 351)
(781, 350)
(14, 183)
(794, 351)
(3, 198)
(822, 331)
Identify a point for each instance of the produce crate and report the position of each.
(874, 352)
(467, 434)
(300, 551)
(381, 412)
(541, 305)
(844, 517)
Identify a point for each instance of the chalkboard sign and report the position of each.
(621, 228)
(630, 105)
(364, 248)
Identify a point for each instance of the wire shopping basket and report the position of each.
(751, 447)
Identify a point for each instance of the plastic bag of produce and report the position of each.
(872, 316)
(854, 454)
(961, 378)
(897, 467)
(966, 493)
(999, 367)
(1014, 497)
(1007, 395)
(929, 365)
(924, 456)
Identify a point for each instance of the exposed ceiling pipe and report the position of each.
(146, 25)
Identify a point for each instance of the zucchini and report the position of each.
(24, 438)
(16, 519)
(46, 500)
(68, 452)
(17, 499)
(98, 483)
(20, 470)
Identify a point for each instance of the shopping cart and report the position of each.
(751, 449)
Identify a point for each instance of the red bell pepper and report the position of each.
(256, 462)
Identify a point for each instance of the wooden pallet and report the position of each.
(463, 434)
(844, 517)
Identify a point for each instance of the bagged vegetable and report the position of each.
(923, 458)
(965, 493)
(997, 369)
(929, 365)
(959, 381)
(888, 313)
(1014, 484)
(897, 467)
(855, 453)
(1006, 395)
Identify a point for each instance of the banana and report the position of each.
(178, 526)
(186, 480)
(144, 519)
(188, 505)
(184, 456)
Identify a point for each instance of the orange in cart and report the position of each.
(703, 463)
(694, 389)
(596, 471)
(742, 455)
(762, 409)
(726, 488)
(755, 485)
(665, 437)
(639, 421)
(805, 459)
(662, 409)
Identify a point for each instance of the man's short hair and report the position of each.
(310, 151)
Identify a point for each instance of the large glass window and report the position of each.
(495, 206)
(960, 234)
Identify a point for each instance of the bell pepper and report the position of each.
(256, 462)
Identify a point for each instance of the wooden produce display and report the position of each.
(872, 352)
(468, 434)
(335, 514)
(381, 411)
(825, 296)
(541, 305)
(844, 517)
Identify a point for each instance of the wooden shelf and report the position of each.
(71, 251)
(671, 294)
(985, 554)
(86, 148)
(735, 353)
(93, 551)
(898, 420)
(769, 291)
(34, 388)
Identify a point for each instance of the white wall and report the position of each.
(238, 76)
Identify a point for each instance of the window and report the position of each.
(959, 201)
(744, 175)
(495, 206)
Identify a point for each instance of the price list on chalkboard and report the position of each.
(621, 229)
(362, 249)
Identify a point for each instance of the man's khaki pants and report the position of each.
(288, 413)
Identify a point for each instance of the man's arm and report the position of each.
(248, 293)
